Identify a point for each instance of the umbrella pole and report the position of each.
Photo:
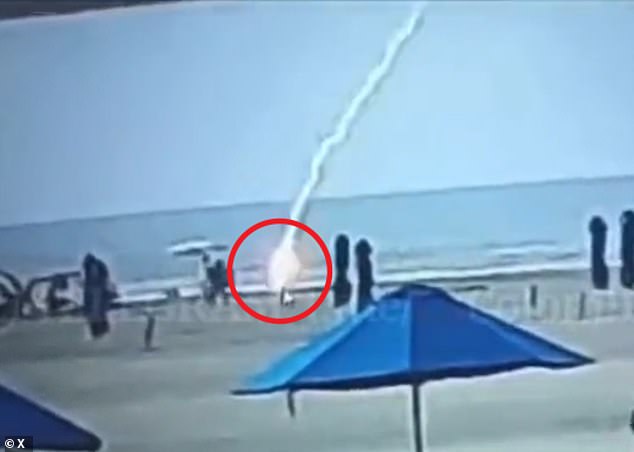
(418, 436)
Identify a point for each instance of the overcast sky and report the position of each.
(175, 107)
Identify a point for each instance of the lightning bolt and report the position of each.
(341, 134)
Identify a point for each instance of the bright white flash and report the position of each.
(338, 137)
(284, 268)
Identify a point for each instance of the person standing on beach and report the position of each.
(89, 270)
(627, 249)
(598, 267)
(363, 250)
(54, 301)
(206, 278)
(98, 293)
(108, 293)
(342, 288)
(286, 299)
(219, 281)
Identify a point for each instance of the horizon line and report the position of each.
(399, 193)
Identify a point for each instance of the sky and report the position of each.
(200, 104)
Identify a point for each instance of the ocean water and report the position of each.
(465, 229)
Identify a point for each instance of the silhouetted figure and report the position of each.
(219, 281)
(363, 250)
(98, 293)
(599, 269)
(627, 249)
(55, 302)
(207, 277)
(286, 299)
(342, 288)
(89, 270)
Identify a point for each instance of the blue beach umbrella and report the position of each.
(412, 336)
(20, 416)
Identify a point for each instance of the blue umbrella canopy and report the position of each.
(22, 417)
(411, 336)
(414, 335)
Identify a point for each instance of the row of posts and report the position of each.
(557, 306)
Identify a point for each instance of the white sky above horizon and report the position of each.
(200, 104)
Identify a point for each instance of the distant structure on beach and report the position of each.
(627, 249)
(342, 288)
(598, 266)
(363, 251)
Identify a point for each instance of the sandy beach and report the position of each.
(177, 397)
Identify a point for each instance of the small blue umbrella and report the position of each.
(411, 336)
(20, 416)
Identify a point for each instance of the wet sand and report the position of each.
(177, 397)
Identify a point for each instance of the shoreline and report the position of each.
(387, 280)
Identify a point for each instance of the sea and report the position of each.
(459, 230)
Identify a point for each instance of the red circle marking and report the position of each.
(279, 320)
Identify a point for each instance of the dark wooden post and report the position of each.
(533, 296)
(582, 305)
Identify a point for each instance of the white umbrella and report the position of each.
(195, 248)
